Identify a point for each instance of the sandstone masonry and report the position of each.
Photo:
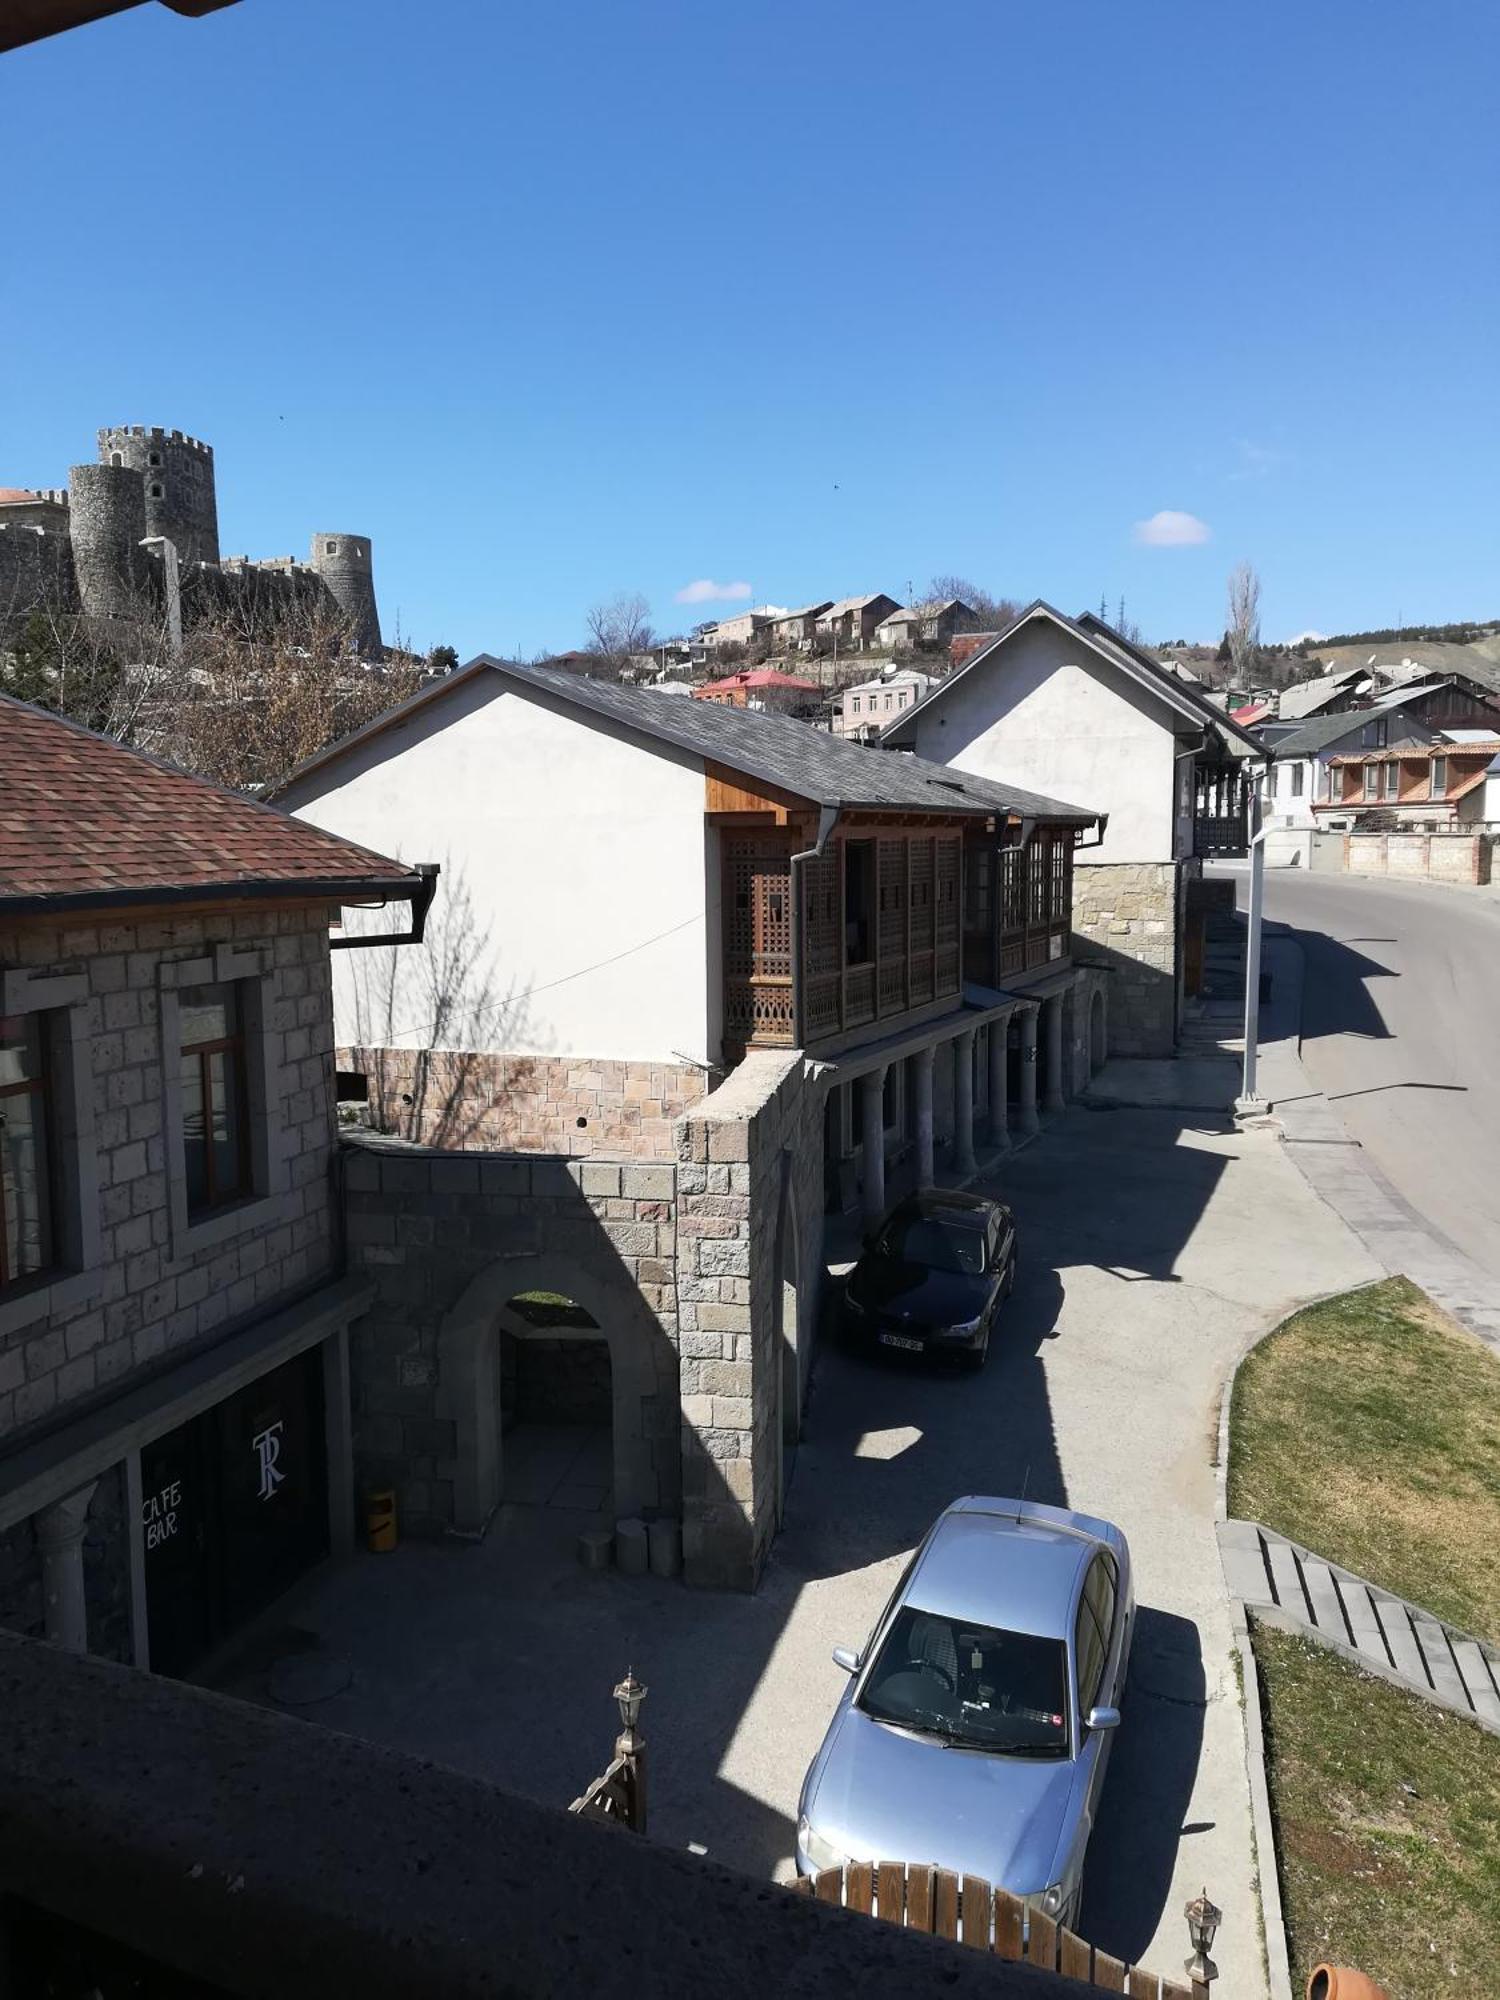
(1125, 919)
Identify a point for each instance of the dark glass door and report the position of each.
(234, 1509)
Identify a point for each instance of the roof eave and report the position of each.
(339, 889)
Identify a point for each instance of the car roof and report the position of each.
(952, 1202)
(1015, 1571)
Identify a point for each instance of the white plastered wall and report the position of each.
(575, 910)
(1048, 714)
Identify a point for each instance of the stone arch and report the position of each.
(468, 1383)
(1097, 1033)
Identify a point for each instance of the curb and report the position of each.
(1262, 1824)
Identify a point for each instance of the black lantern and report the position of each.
(1203, 1920)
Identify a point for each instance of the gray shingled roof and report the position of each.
(1319, 731)
(776, 749)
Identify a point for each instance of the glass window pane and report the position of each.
(224, 1135)
(23, 1183)
(978, 1685)
(208, 1014)
(194, 1139)
(20, 1048)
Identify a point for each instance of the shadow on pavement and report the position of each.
(1147, 1788)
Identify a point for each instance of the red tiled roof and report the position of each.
(758, 677)
(9, 494)
(1251, 712)
(85, 822)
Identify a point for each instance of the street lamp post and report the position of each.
(1250, 1103)
(630, 1749)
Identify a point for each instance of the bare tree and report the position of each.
(617, 628)
(994, 613)
(1243, 631)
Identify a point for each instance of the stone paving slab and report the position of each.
(1398, 1641)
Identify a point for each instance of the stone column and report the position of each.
(999, 1080)
(872, 1141)
(1026, 1110)
(921, 1067)
(963, 1102)
(1052, 1098)
(59, 1533)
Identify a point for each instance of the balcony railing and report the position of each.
(1225, 834)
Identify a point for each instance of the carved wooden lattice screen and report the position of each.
(922, 915)
(946, 916)
(892, 953)
(822, 888)
(757, 941)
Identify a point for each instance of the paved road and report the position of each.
(1401, 1031)
(1153, 1244)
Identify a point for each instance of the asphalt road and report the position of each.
(1401, 1031)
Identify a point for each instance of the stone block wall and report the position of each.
(1439, 857)
(749, 1259)
(547, 1104)
(1125, 920)
(447, 1238)
(144, 1292)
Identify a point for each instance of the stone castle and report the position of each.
(96, 545)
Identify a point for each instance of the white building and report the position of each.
(1069, 707)
(864, 710)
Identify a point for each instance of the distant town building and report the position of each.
(926, 624)
(851, 623)
(864, 710)
(763, 688)
(796, 630)
(740, 630)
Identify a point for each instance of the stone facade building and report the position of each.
(1071, 705)
(96, 545)
(174, 1411)
(831, 968)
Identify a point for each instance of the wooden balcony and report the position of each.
(1225, 835)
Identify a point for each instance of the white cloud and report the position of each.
(1172, 530)
(705, 591)
(1311, 637)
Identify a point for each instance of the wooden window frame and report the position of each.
(232, 1046)
(39, 1089)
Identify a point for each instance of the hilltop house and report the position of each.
(1068, 705)
(175, 1441)
(740, 630)
(702, 972)
(796, 630)
(926, 624)
(849, 626)
(764, 688)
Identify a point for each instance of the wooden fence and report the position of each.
(967, 1909)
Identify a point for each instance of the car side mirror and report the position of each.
(1102, 1718)
(845, 1658)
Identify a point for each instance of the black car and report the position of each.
(933, 1275)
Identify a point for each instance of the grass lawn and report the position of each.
(1388, 1826)
(1368, 1429)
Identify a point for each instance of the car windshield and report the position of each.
(938, 1245)
(968, 1684)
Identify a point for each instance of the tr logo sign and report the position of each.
(267, 1446)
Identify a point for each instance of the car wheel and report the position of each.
(1010, 1276)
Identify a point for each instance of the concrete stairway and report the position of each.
(1292, 1587)
(1213, 1022)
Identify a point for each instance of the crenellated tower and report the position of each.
(344, 563)
(178, 474)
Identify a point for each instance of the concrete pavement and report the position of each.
(1154, 1244)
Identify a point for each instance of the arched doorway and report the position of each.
(1096, 1033)
(644, 1400)
(556, 1409)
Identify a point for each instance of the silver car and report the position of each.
(978, 1719)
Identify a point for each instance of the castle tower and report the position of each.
(107, 516)
(343, 562)
(178, 473)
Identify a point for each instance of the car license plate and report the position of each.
(901, 1340)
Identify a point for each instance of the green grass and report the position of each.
(550, 1309)
(1368, 1429)
(1388, 1826)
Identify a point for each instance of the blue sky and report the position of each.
(818, 296)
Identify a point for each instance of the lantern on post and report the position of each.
(1203, 1920)
(630, 1749)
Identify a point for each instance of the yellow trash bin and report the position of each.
(380, 1519)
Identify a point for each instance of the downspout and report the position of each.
(421, 903)
(828, 819)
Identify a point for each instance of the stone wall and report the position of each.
(749, 1262)
(1125, 920)
(448, 1238)
(547, 1104)
(146, 1292)
(1442, 857)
